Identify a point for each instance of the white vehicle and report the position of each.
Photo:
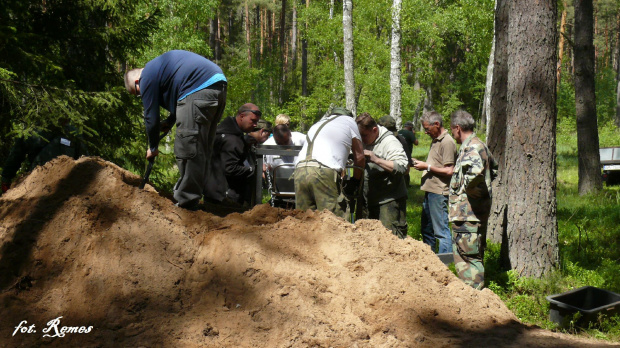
(610, 160)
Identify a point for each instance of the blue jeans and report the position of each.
(435, 222)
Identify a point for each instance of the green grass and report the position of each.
(589, 240)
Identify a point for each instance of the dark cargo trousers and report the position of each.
(197, 117)
(318, 188)
(393, 215)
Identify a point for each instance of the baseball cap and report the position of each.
(388, 122)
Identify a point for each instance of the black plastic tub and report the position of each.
(588, 300)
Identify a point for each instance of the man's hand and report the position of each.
(370, 156)
(260, 135)
(164, 127)
(151, 154)
(419, 165)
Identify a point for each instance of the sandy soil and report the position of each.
(78, 239)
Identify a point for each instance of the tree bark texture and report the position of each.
(585, 99)
(294, 39)
(530, 167)
(562, 30)
(395, 69)
(496, 127)
(618, 73)
(349, 77)
(282, 53)
(304, 59)
(247, 33)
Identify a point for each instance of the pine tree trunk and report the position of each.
(349, 77)
(395, 88)
(212, 35)
(585, 100)
(218, 42)
(304, 59)
(496, 127)
(247, 33)
(294, 39)
(562, 33)
(530, 167)
(282, 53)
(618, 73)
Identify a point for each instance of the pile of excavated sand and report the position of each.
(124, 267)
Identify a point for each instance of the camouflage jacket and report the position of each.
(470, 187)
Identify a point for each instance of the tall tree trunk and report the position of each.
(618, 73)
(218, 41)
(496, 127)
(562, 33)
(294, 40)
(585, 99)
(530, 167)
(349, 77)
(212, 35)
(262, 25)
(485, 117)
(247, 33)
(304, 59)
(486, 107)
(395, 92)
(428, 100)
(282, 53)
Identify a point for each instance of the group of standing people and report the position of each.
(456, 184)
(457, 189)
(216, 161)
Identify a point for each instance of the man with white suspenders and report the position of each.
(322, 160)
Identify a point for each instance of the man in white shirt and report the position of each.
(322, 160)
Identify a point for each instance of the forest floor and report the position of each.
(80, 241)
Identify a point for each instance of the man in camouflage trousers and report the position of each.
(323, 158)
(470, 199)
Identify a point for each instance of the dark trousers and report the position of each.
(197, 117)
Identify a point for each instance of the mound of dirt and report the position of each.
(124, 267)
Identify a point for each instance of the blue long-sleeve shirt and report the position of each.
(169, 78)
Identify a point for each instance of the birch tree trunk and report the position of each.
(530, 167)
(485, 118)
(395, 71)
(587, 126)
(349, 77)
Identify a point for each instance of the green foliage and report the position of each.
(60, 61)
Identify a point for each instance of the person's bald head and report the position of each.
(248, 116)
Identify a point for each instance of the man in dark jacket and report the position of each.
(230, 173)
